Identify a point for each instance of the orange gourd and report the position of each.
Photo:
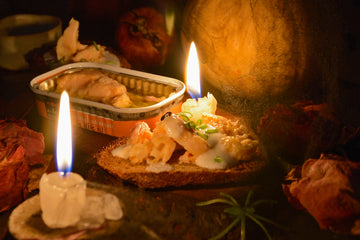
(260, 48)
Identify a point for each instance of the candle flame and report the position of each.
(64, 143)
(193, 73)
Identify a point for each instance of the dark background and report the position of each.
(98, 22)
(99, 19)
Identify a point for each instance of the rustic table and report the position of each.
(165, 213)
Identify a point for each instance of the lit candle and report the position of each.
(196, 105)
(62, 193)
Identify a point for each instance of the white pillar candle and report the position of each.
(62, 199)
(62, 194)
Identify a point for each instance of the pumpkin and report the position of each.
(260, 48)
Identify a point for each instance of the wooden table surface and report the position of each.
(158, 214)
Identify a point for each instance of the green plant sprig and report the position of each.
(241, 213)
(200, 129)
(96, 46)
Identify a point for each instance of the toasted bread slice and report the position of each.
(179, 175)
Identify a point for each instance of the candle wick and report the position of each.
(194, 95)
(64, 174)
(64, 169)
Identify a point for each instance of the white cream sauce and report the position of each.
(216, 157)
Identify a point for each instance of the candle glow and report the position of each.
(193, 73)
(64, 143)
(62, 193)
(196, 105)
(63, 199)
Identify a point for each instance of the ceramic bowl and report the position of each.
(22, 33)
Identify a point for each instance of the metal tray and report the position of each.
(105, 118)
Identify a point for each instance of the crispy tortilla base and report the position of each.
(181, 175)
